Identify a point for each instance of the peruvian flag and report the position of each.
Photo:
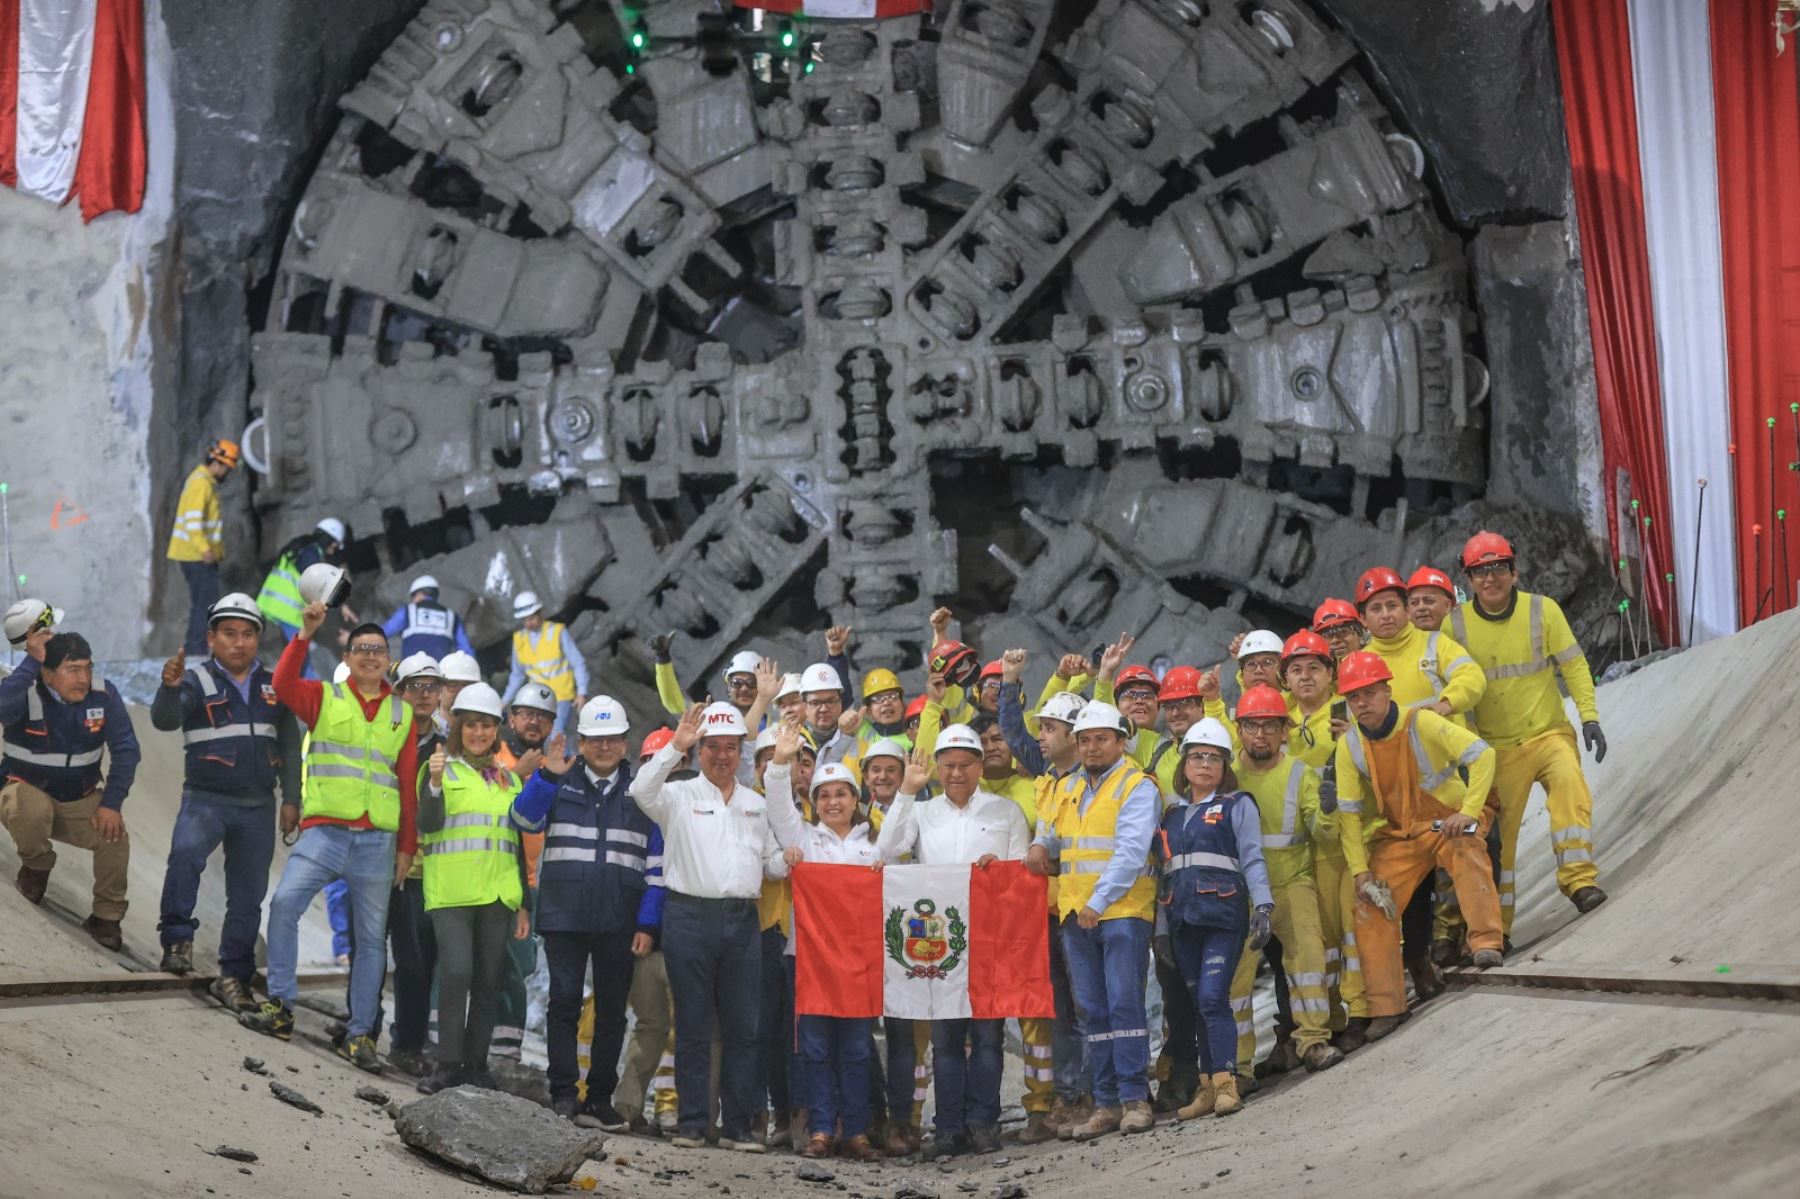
(842, 10)
(72, 102)
(921, 942)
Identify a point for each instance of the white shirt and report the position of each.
(941, 834)
(820, 844)
(712, 849)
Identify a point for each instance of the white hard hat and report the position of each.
(333, 528)
(236, 606)
(422, 583)
(1259, 641)
(1097, 715)
(29, 614)
(722, 720)
(323, 583)
(603, 716)
(835, 772)
(458, 667)
(790, 685)
(478, 698)
(745, 661)
(1207, 731)
(957, 736)
(1064, 706)
(886, 747)
(525, 603)
(766, 738)
(340, 674)
(820, 676)
(418, 666)
(534, 695)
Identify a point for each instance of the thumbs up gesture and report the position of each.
(174, 668)
(437, 766)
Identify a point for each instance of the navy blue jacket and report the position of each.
(56, 747)
(236, 749)
(427, 627)
(1212, 862)
(601, 870)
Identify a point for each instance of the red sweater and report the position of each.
(304, 696)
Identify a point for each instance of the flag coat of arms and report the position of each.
(921, 942)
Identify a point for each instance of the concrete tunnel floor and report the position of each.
(1493, 1091)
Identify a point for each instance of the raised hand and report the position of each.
(1071, 666)
(1012, 665)
(936, 686)
(311, 617)
(557, 758)
(940, 623)
(687, 729)
(918, 772)
(768, 681)
(528, 762)
(1237, 643)
(660, 646)
(1209, 683)
(787, 740)
(1113, 656)
(174, 668)
(438, 758)
(850, 721)
(837, 639)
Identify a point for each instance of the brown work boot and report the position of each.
(817, 1145)
(1225, 1094)
(1079, 1112)
(796, 1128)
(1354, 1036)
(1425, 981)
(106, 932)
(896, 1144)
(1246, 1085)
(1380, 1026)
(858, 1149)
(33, 883)
(1283, 1058)
(1103, 1121)
(1138, 1117)
(1320, 1056)
(1037, 1129)
(1202, 1102)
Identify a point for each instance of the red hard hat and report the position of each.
(1377, 579)
(1486, 547)
(993, 670)
(1361, 669)
(955, 661)
(1136, 674)
(915, 708)
(1303, 644)
(1181, 682)
(1334, 612)
(1431, 576)
(654, 741)
(1262, 702)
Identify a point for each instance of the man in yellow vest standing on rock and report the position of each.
(197, 541)
(544, 652)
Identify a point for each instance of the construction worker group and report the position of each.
(1350, 820)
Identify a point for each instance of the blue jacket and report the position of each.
(235, 747)
(56, 747)
(1212, 863)
(428, 628)
(601, 870)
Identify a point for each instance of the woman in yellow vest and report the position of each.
(474, 882)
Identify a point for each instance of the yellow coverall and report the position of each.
(198, 530)
(1310, 740)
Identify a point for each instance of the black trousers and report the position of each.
(415, 961)
(568, 955)
(713, 949)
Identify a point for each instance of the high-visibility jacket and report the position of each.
(1309, 737)
(1164, 765)
(198, 528)
(280, 598)
(474, 858)
(1287, 799)
(1434, 753)
(1428, 667)
(351, 761)
(1044, 801)
(1021, 789)
(546, 662)
(1518, 652)
(1142, 745)
(1085, 846)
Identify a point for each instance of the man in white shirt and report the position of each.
(965, 825)
(718, 844)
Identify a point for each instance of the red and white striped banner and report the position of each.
(72, 102)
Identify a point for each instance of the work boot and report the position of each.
(337, 1030)
(688, 1140)
(360, 1052)
(1281, 1059)
(1138, 1117)
(482, 1076)
(939, 1147)
(796, 1130)
(1103, 1121)
(178, 958)
(1320, 1056)
(603, 1116)
(1487, 958)
(273, 1019)
(667, 1123)
(896, 1144)
(1246, 1085)
(915, 1139)
(1381, 1026)
(858, 1149)
(233, 993)
(743, 1144)
(1354, 1036)
(33, 883)
(1202, 1102)
(566, 1106)
(817, 1145)
(105, 932)
(1037, 1129)
(1225, 1094)
(1178, 1088)
(1081, 1109)
(1587, 898)
(408, 1061)
(443, 1076)
(1425, 981)
(984, 1138)
(1445, 953)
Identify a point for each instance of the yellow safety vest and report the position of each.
(545, 662)
(280, 599)
(198, 526)
(474, 858)
(1085, 844)
(351, 761)
(1286, 841)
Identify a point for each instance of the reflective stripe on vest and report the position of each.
(1539, 660)
(1429, 780)
(1087, 845)
(31, 757)
(1290, 811)
(280, 598)
(474, 858)
(428, 621)
(351, 761)
(546, 663)
(1215, 861)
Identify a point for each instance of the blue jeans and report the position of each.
(713, 950)
(363, 858)
(1067, 1046)
(248, 834)
(203, 592)
(835, 1053)
(1207, 958)
(1108, 966)
(902, 1064)
(966, 1058)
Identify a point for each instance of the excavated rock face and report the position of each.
(697, 318)
(507, 1140)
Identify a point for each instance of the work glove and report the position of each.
(1594, 739)
(1164, 945)
(1379, 896)
(1328, 789)
(659, 645)
(1261, 927)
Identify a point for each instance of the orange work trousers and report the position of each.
(1403, 861)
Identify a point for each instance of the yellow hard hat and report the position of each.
(879, 680)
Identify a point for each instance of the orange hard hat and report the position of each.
(1131, 675)
(993, 670)
(1262, 702)
(1431, 576)
(1486, 547)
(654, 741)
(955, 661)
(223, 450)
(1306, 643)
(916, 707)
(1181, 682)
(1361, 669)
(1377, 579)
(1334, 612)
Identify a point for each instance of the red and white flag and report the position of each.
(921, 942)
(72, 102)
(842, 10)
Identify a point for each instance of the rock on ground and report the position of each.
(504, 1139)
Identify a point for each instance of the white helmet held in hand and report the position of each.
(458, 667)
(820, 676)
(603, 716)
(29, 614)
(722, 720)
(1097, 715)
(1210, 732)
(1259, 641)
(478, 698)
(957, 736)
(323, 583)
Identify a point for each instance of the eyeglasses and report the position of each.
(833, 702)
(424, 686)
(990, 685)
(1490, 570)
(1182, 705)
(1207, 757)
(533, 714)
(369, 649)
(1137, 693)
(741, 682)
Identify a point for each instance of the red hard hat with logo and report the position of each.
(955, 661)
(1136, 676)
(1334, 612)
(654, 741)
(1262, 702)
(1431, 576)
(1181, 682)
(1306, 643)
(1377, 579)
(1486, 547)
(1361, 669)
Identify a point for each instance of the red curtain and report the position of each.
(1756, 104)
(1593, 39)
